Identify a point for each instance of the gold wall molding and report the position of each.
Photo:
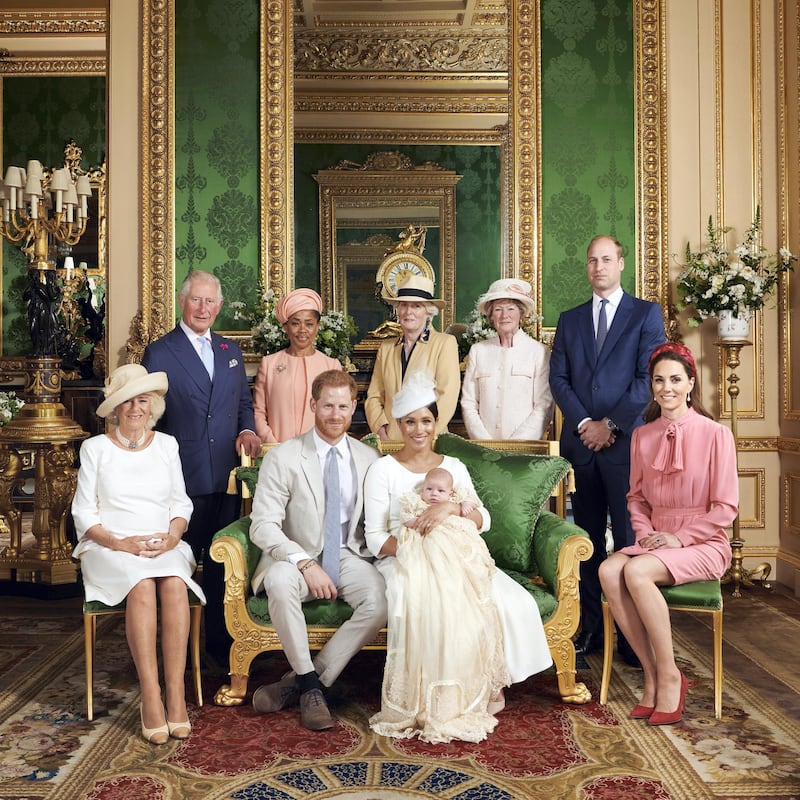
(750, 385)
(791, 508)
(406, 104)
(756, 479)
(52, 65)
(764, 444)
(651, 154)
(158, 175)
(277, 146)
(390, 51)
(788, 444)
(49, 23)
(391, 136)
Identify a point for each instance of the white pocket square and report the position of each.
(234, 362)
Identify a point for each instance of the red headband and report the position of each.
(677, 349)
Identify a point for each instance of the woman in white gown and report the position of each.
(429, 687)
(131, 510)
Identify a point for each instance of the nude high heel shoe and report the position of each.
(159, 735)
(180, 730)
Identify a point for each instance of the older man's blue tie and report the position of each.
(602, 327)
(333, 526)
(207, 354)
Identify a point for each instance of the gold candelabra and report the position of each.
(737, 574)
(41, 208)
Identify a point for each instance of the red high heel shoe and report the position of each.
(642, 712)
(664, 717)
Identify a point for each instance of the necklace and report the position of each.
(131, 444)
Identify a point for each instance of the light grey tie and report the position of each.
(602, 327)
(333, 512)
(207, 354)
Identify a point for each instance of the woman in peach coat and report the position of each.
(282, 388)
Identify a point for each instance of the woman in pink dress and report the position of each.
(282, 389)
(684, 491)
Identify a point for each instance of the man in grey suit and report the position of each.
(288, 523)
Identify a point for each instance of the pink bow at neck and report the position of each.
(669, 458)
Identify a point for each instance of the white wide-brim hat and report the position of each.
(418, 391)
(507, 289)
(128, 381)
(415, 289)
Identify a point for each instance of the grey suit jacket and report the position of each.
(289, 503)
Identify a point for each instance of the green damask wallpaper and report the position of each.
(217, 214)
(477, 209)
(588, 158)
(40, 115)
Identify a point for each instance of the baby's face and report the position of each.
(436, 490)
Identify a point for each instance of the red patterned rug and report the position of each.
(541, 748)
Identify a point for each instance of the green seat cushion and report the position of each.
(323, 613)
(513, 487)
(698, 594)
(96, 607)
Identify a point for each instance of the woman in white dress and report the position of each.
(439, 653)
(131, 510)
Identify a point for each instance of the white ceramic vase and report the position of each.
(733, 328)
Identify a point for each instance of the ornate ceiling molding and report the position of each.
(49, 23)
(56, 65)
(392, 51)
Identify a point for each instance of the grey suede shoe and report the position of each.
(314, 713)
(275, 696)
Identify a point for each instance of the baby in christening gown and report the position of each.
(445, 657)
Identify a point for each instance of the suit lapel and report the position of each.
(620, 322)
(586, 332)
(309, 463)
(189, 360)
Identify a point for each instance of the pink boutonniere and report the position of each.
(223, 346)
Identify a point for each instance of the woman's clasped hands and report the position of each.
(147, 545)
(658, 539)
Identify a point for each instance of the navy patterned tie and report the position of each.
(602, 327)
(333, 511)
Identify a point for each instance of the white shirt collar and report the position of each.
(322, 446)
(614, 298)
(192, 335)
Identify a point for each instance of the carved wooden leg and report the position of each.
(563, 652)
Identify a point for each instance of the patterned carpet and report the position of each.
(540, 749)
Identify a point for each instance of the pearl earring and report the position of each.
(688, 398)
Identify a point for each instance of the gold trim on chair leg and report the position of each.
(89, 636)
(608, 651)
(194, 639)
(717, 624)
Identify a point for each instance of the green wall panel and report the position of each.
(588, 159)
(478, 207)
(217, 211)
(40, 115)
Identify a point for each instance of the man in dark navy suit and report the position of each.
(599, 379)
(210, 413)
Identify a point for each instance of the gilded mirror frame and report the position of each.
(523, 174)
(63, 66)
(408, 185)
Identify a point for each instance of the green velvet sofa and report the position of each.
(538, 548)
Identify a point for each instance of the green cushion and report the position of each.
(544, 599)
(698, 594)
(96, 607)
(513, 487)
(325, 613)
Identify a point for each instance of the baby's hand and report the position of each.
(467, 507)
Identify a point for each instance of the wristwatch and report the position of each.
(611, 425)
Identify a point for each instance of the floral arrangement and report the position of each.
(478, 328)
(740, 280)
(268, 336)
(10, 405)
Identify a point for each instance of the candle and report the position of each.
(69, 267)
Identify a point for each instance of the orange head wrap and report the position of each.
(297, 300)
